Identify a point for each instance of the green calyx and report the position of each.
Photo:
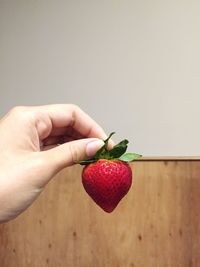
(117, 152)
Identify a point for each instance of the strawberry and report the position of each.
(107, 177)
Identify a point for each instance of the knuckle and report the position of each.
(74, 106)
(73, 111)
(17, 110)
(20, 113)
(74, 153)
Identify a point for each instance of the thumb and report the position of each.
(70, 153)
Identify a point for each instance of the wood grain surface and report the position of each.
(156, 225)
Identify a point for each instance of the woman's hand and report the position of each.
(35, 144)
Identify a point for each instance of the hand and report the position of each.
(35, 144)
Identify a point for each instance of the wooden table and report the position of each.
(156, 225)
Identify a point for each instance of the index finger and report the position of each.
(64, 115)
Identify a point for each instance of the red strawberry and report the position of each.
(107, 182)
(107, 177)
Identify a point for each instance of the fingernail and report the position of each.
(111, 144)
(93, 146)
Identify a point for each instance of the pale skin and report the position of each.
(35, 144)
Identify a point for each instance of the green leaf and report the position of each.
(103, 151)
(118, 149)
(129, 157)
(86, 162)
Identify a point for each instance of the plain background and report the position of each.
(134, 66)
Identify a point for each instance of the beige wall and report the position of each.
(133, 65)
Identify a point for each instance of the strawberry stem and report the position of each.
(117, 152)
